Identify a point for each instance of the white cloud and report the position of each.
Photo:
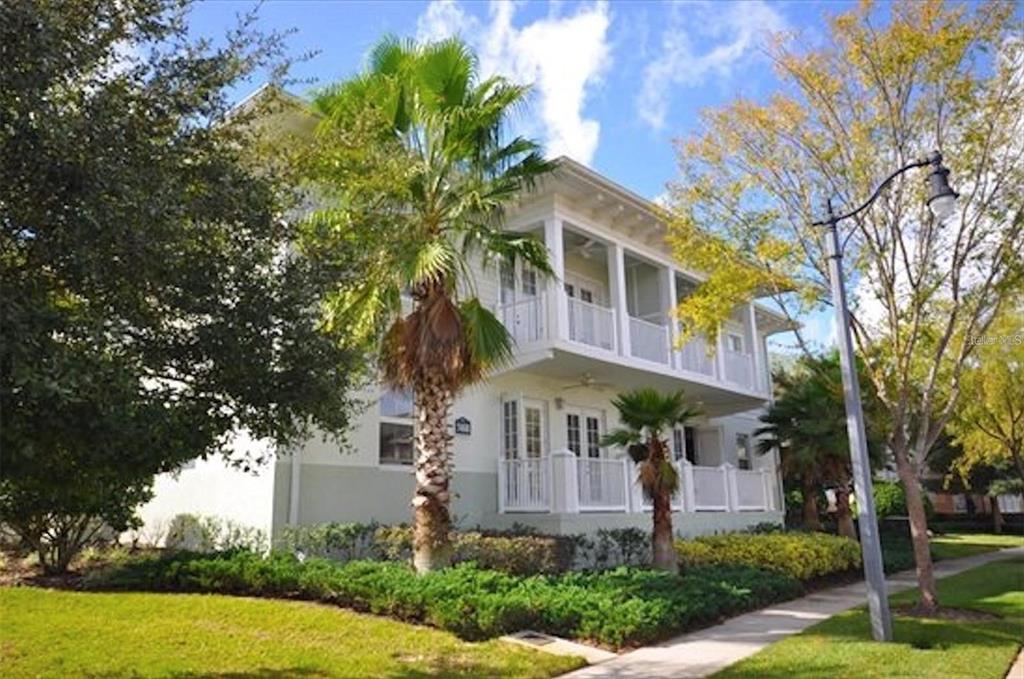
(737, 32)
(565, 57)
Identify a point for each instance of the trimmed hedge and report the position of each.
(804, 556)
(625, 606)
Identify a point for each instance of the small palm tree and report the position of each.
(458, 169)
(646, 415)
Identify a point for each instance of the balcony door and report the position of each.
(585, 318)
(520, 302)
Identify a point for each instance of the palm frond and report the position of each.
(489, 342)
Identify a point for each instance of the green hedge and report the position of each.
(804, 556)
(625, 606)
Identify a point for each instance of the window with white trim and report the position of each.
(396, 428)
(734, 342)
(510, 429)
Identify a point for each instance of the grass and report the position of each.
(59, 633)
(956, 545)
(841, 646)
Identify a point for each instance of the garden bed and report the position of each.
(616, 608)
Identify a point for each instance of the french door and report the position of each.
(520, 302)
(523, 442)
(583, 431)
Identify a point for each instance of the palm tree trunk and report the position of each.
(432, 547)
(844, 517)
(810, 506)
(918, 529)
(665, 557)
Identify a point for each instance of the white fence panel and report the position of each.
(591, 324)
(524, 484)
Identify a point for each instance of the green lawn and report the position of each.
(956, 545)
(61, 634)
(840, 646)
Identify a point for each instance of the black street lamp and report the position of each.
(941, 202)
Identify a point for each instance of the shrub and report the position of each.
(891, 500)
(336, 541)
(801, 555)
(195, 533)
(617, 607)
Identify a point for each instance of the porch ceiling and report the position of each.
(615, 377)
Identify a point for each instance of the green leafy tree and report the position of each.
(989, 424)
(888, 84)
(647, 416)
(807, 423)
(959, 471)
(149, 308)
(415, 167)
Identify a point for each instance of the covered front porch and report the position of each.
(564, 483)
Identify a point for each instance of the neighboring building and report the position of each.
(526, 440)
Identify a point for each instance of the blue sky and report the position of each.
(615, 82)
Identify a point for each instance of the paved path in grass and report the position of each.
(707, 651)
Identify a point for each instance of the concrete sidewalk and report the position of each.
(707, 651)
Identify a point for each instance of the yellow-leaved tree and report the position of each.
(885, 86)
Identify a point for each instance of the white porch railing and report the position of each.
(524, 319)
(753, 491)
(694, 357)
(591, 324)
(739, 368)
(648, 340)
(603, 484)
(710, 489)
(524, 485)
(565, 483)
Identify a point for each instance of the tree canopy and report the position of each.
(151, 305)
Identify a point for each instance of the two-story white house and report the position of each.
(527, 439)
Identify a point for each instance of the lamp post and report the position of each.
(941, 202)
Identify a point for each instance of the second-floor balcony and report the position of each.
(594, 328)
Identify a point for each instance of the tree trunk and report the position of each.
(664, 557)
(997, 514)
(810, 503)
(432, 548)
(918, 529)
(844, 517)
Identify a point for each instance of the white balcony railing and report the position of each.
(602, 484)
(524, 319)
(694, 357)
(739, 368)
(648, 340)
(524, 485)
(591, 324)
(565, 483)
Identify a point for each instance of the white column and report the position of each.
(755, 349)
(731, 491)
(720, 354)
(668, 303)
(617, 278)
(558, 312)
(565, 494)
(689, 488)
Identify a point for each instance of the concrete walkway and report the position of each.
(707, 651)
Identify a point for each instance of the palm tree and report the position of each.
(807, 424)
(646, 415)
(422, 235)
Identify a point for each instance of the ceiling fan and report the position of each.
(587, 381)
(585, 248)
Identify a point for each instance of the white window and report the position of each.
(510, 429)
(396, 428)
(572, 432)
(960, 503)
(593, 436)
(734, 341)
(743, 451)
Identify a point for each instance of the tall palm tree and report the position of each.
(457, 169)
(647, 415)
